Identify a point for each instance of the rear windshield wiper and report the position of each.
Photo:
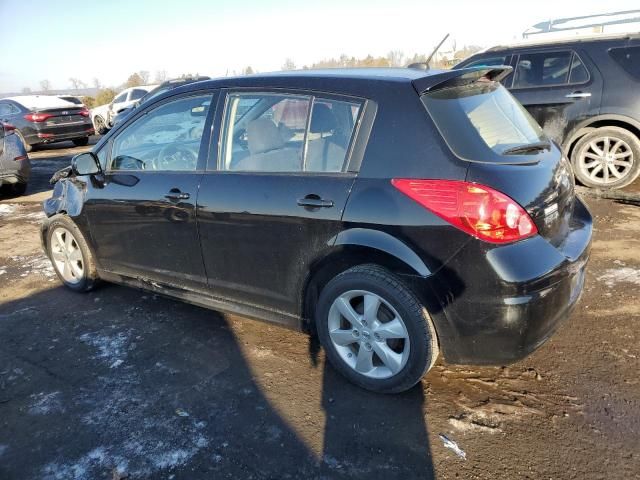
(527, 148)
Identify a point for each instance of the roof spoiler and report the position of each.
(461, 76)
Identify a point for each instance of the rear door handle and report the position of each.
(578, 95)
(314, 201)
(176, 194)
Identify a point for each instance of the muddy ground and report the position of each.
(120, 383)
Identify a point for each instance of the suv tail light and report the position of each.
(473, 208)
(37, 117)
(84, 112)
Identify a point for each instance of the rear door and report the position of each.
(274, 198)
(142, 213)
(560, 88)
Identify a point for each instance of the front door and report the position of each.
(277, 197)
(560, 88)
(142, 213)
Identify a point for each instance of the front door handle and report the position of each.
(578, 95)
(176, 194)
(314, 201)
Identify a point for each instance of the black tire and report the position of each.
(90, 277)
(422, 336)
(100, 125)
(81, 142)
(614, 134)
(19, 189)
(28, 148)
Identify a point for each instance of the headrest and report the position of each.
(322, 119)
(263, 135)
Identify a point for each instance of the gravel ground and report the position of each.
(120, 383)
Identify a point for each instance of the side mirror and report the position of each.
(86, 164)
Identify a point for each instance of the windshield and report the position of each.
(482, 121)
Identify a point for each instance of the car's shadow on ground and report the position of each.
(121, 379)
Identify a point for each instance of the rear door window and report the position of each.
(482, 121)
(628, 58)
(542, 69)
(270, 132)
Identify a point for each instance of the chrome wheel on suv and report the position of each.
(607, 158)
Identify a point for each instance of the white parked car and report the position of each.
(102, 116)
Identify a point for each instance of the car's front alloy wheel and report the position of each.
(70, 255)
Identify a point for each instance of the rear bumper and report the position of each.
(37, 135)
(513, 298)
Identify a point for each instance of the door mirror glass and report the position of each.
(86, 164)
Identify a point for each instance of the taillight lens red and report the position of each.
(8, 128)
(37, 117)
(476, 209)
(84, 112)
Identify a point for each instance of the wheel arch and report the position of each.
(353, 247)
(599, 121)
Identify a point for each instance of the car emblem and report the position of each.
(65, 112)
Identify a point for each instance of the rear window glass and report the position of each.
(481, 121)
(629, 59)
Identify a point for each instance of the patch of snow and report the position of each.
(7, 209)
(617, 275)
(46, 403)
(111, 348)
(34, 265)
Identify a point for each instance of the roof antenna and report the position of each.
(425, 65)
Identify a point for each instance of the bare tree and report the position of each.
(161, 76)
(396, 58)
(144, 76)
(96, 83)
(76, 83)
(248, 71)
(134, 80)
(289, 64)
(45, 85)
(26, 90)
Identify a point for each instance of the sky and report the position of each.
(109, 40)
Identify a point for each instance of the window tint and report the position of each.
(579, 73)
(167, 138)
(121, 98)
(629, 59)
(273, 133)
(136, 94)
(540, 69)
(488, 62)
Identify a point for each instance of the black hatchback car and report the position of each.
(585, 92)
(395, 213)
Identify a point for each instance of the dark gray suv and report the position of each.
(586, 95)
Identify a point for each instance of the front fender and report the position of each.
(384, 242)
(67, 197)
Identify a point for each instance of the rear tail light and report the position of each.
(84, 112)
(37, 117)
(475, 209)
(45, 135)
(21, 157)
(8, 128)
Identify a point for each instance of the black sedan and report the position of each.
(42, 119)
(395, 213)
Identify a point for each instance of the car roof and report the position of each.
(542, 42)
(351, 81)
(39, 102)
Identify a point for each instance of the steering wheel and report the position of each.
(176, 157)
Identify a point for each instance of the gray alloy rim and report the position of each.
(368, 334)
(606, 160)
(67, 256)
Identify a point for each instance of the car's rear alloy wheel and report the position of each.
(607, 158)
(374, 329)
(368, 334)
(67, 256)
(70, 255)
(101, 127)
